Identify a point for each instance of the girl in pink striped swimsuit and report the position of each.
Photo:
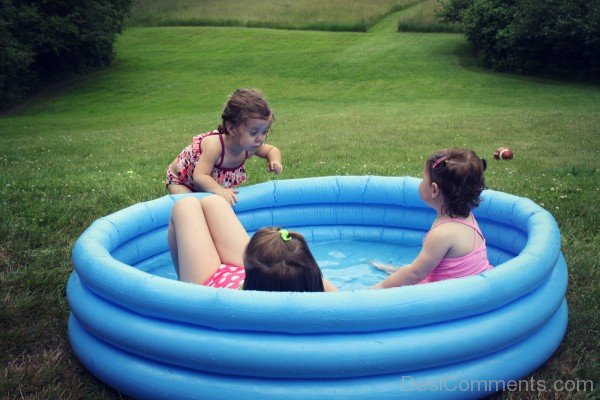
(454, 247)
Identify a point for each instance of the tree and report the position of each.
(47, 40)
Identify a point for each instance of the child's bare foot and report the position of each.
(390, 269)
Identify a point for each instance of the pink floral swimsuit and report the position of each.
(188, 158)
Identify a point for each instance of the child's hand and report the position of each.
(230, 195)
(390, 269)
(275, 167)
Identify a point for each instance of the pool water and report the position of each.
(346, 264)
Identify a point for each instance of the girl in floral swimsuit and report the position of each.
(454, 247)
(215, 161)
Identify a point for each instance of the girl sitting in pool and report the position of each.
(454, 247)
(209, 246)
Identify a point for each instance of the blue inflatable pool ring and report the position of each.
(141, 331)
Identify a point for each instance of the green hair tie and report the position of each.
(285, 235)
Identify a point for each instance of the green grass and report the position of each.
(346, 104)
(333, 15)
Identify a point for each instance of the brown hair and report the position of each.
(242, 105)
(277, 265)
(459, 175)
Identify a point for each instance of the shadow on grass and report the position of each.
(360, 26)
(50, 91)
(467, 59)
(426, 27)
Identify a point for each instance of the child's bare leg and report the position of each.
(190, 239)
(178, 189)
(229, 236)
(390, 269)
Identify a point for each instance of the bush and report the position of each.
(551, 36)
(46, 40)
(452, 10)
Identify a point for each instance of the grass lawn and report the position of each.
(346, 103)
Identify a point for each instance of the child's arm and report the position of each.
(435, 247)
(273, 157)
(203, 180)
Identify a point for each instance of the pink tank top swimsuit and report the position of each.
(227, 276)
(188, 158)
(457, 267)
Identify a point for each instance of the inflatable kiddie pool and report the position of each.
(141, 331)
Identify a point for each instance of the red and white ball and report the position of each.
(503, 153)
